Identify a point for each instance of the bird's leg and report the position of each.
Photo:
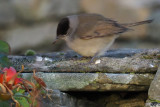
(91, 61)
(84, 57)
(94, 57)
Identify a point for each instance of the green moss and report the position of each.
(94, 82)
(132, 73)
(156, 66)
(54, 61)
(61, 53)
(82, 71)
(30, 52)
(147, 57)
(152, 100)
(158, 56)
(87, 69)
(129, 70)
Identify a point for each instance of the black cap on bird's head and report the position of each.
(62, 28)
(66, 27)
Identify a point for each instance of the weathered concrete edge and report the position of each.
(95, 81)
(144, 62)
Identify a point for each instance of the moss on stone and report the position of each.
(147, 57)
(158, 56)
(30, 52)
(152, 100)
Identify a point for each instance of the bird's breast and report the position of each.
(90, 47)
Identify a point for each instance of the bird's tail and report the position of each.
(137, 23)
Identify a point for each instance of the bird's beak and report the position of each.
(58, 38)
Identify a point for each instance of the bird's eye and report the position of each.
(63, 27)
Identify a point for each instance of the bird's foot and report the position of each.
(94, 60)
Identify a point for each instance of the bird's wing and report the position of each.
(101, 29)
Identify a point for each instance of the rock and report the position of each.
(33, 10)
(94, 99)
(127, 103)
(126, 100)
(62, 99)
(95, 81)
(154, 91)
(66, 70)
(145, 62)
(116, 72)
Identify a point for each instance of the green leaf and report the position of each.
(4, 61)
(19, 91)
(22, 100)
(4, 104)
(4, 47)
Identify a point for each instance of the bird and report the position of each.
(90, 35)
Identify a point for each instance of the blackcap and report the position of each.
(91, 35)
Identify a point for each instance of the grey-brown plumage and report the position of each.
(91, 34)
